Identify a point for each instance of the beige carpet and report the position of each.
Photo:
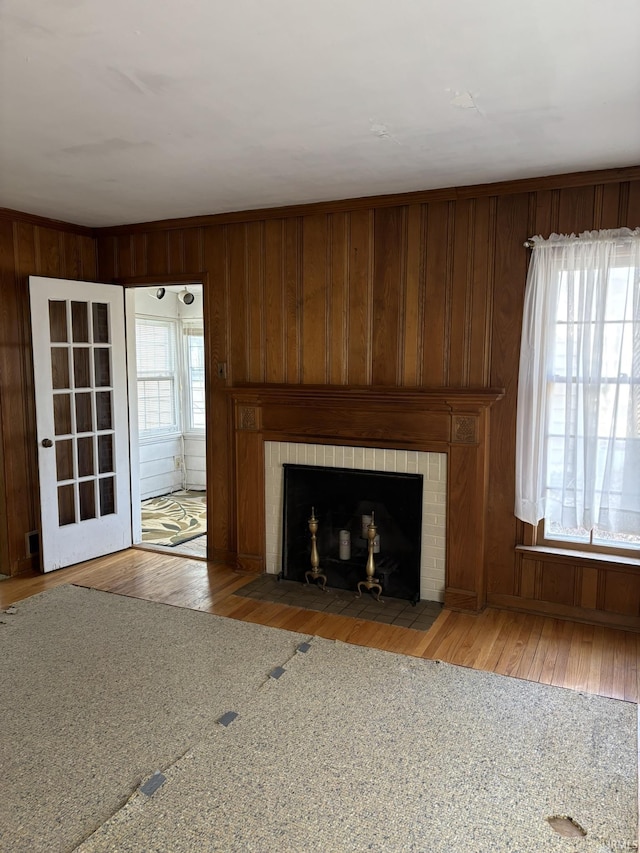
(342, 749)
(173, 519)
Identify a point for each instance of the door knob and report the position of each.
(46, 442)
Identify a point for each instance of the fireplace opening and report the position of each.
(343, 501)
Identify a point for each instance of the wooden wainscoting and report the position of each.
(593, 588)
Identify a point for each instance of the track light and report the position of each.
(186, 297)
(160, 292)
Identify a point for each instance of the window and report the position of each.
(194, 364)
(578, 433)
(157, 376)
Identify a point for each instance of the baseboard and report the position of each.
(564, 611)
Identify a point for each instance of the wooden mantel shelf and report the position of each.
(454, 421)
(411, 397)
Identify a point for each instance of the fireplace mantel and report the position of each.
(454, 421)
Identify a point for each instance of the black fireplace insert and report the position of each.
(343, 500)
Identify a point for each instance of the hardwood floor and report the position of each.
(552, 651)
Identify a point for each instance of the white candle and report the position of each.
(344, 546)
(366, 521)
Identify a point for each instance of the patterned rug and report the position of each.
(172, 519)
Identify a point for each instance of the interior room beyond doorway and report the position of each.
(171, 418)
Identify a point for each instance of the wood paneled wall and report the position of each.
(28, 246)
(427, 292)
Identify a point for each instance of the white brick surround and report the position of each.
(433, 467)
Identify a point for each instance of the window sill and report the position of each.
(564, 555)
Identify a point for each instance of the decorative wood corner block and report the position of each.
(465, 429)
(248, 418)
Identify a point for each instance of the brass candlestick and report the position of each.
(314, 572)
(371, 582)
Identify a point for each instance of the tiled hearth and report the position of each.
(392, 611)
(432, 466)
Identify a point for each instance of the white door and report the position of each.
(79, 359)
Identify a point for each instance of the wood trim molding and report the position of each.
(44, 222)
(454, 421)
(164, 278)
(523, 185)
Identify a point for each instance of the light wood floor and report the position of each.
(567, 654)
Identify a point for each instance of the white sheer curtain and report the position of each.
(578, 420)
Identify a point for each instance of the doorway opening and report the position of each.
(168, 419)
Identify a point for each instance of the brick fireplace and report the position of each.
(453, 422)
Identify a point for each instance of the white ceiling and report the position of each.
(120, 111)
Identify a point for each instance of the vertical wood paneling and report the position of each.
(480, 313)
(632, 213)
(388, 283)
(49, 252)
(238, 297)
(589, 590)
(293, 289)
(275, 301)
(140, 255)
(89, 258)
(576, 213)
(126, 259)
(255, 301)
(193, 246)
(607, 213)
(10, 402)
(461, 297)
(20, 428)
(176, 251)
(508, 298)
(338, 302)
(437, 298)
(220, 526)
(413, 309)
(546, 213)
(107, 250)
(315, 247)
(157, 253)
(528, 570)
(72, 254)
(359, 343)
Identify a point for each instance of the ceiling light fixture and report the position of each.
(186, 297)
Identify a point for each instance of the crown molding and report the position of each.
(523, 185)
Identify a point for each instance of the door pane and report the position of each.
(66, 507)
(58, 321)
(105, 454)
(87, 494)
(103, 410)
(60, 367)
(81, 368)
(64, 459)
(103, 368)
(84, 419)
(107, 496)
(85, 457)
(62, 414)
(100, 323)
(80, 322)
